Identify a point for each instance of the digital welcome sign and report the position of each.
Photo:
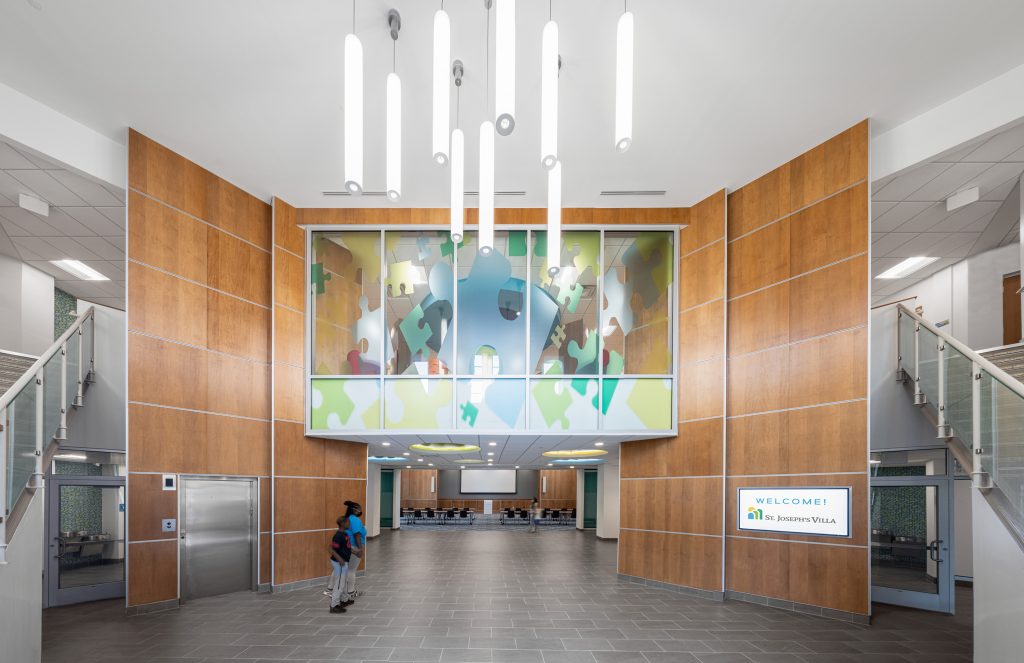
(815, 511)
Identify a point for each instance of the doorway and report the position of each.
(1011, 309)
(589, 499)
(387, 498)
(85, 560)
(217, 536)
(911, 530)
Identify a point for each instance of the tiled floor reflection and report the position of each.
(496, 596)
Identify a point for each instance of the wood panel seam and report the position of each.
(665, 531)
(798, 276)
(701, 248)
(798, 407)
(210, 412)
(809, 543)
(802, 209)
(696, 306)
(197, 347)
(196, 218)
(835, 332)
(201, 285)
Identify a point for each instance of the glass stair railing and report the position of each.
(973, 400)
(34, 413)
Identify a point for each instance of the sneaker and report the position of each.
(338, 608)
(347, 603)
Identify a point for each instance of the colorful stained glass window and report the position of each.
(565, 305)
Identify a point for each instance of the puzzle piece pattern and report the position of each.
(401, 278)
(469, 414)
(586, 357)
(415, 334)
(638, 404)
(368, 328)
(318, 276)
(617, 296)
(418, 404)
(563, 404)
(344, 404)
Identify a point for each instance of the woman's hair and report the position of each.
(342, 519)
(534, 499)
(352, 506)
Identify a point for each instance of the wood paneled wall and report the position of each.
(416, 488)
(198, 350)
(561, 492)
(670, 491)
(773, 313)
(313, 477)
(797, 383)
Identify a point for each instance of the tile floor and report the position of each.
(497, 596)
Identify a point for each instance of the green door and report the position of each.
(387, 498)
(589, 499)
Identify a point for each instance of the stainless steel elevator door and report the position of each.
(217, 540)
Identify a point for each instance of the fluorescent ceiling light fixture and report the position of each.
(549, 95)
(505, 67)
(70, 456)
(393, 138)
(79, 270)
(386, 459)
(469, 460)
(33, 204)
(580, 461)
(353, 114)
(442, 101)
(555, 219)
(486, 228)
(575, 453)
(906, 268)
(963, 198)
(385, 444)
(457, 203)
(598, 444)
(624, 82)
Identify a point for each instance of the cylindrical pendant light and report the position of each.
(442, 112)
(353, 114)
(458, 210)
(624, 83)
(394, 137)
(555, 219)
(505, 67)
(486, 228)
(549, 95)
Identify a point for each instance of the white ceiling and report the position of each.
(526, 451)
(86, 222)
(909, 217)
(725, 90)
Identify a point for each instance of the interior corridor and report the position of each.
(496, 596)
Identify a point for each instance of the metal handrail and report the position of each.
(30, 374)
(999, 374)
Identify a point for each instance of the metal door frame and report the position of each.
(944, 600)
(55, 596)
(254, 521)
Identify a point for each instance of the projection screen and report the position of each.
(488, 481)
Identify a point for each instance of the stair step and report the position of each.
(12, 367)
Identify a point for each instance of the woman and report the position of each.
(357, 535)
(534, 515)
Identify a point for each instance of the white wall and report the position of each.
(100, 424)
(998, 588)
(985, 295)
(21, 589)
(607, 501)
(371, 516)
(963, 529)
(26, 308)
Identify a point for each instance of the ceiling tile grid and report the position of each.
(86, 223)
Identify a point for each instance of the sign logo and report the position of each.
(795, 510)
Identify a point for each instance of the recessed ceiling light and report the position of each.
(385, 444)
(492, 444)
(419, 460)
(462, 466)
(79, 270)
(517, 467)
(490, 453)
(598, 444)
(572, 467)
(430, 464)
(551, 464)
(405, 453)
(906, 267)
(408, 467)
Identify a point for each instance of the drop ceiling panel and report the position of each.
(899, 215)
(92, 193)
(905, 185)
(101, 248)
(48, 188)
(94, 220)
(885, 244)
(1000, 147)
(955, 178)
(11, 158)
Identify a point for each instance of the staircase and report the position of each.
(37, 395)
(976, 401)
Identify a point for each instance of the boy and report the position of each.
(341, 552)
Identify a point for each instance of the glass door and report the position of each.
(589, 499)
(911, 541)
(86, 550)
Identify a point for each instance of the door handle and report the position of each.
(933, 548)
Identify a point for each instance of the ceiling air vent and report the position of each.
(346, 193)
(650, 192)
(498, 193)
